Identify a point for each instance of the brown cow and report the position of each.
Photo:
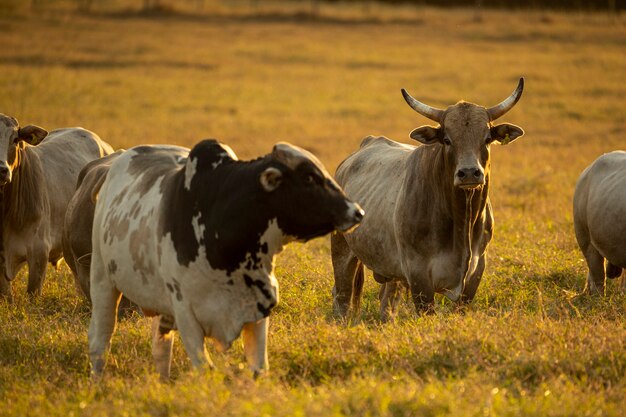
(38, 173)
(428, 218)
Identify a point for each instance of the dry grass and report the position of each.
(529, 345)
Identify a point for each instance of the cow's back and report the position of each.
(600, 206)
(373, 177)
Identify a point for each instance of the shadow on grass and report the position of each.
(167, 13)
(107, 64)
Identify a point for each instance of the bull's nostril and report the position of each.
(460, 174)
(477, 173)
(358, 215)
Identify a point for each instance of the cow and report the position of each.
(78, 223)
(190, 237)
(600, 219)
(428, 217)
(38, 173)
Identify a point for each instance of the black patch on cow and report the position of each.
(250, 282)
(230, 282)
(235, 210)
(170, 287)
(112, 267)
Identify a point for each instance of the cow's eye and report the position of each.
(310, 179)
(447, 141)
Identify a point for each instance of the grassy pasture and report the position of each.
(530, 345)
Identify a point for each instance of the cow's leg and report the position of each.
(389, 296)
(255, 345)
(104, 299)
(596, 276)
(471, 285)
(192, 335)
(162, 343)
(346, 268)
(37, 264)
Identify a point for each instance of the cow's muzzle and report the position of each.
(351, 218)
(468, 178)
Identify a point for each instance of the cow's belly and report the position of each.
(374, 241)
(144, 287)
(376, 248)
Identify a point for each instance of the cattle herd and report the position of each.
(189, 236)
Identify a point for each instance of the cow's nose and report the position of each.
(470, 177)
(358, 215)
(470, 173)
(351, 218)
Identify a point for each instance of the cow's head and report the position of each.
(10, 136)
(307, 199)
(466, 131)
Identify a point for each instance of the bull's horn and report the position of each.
(425, 110)
(498, 111)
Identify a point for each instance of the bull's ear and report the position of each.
(426, 134)
(271, 179)
(31, 134)
(506, 133)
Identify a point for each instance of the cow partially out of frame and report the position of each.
(600, 219)
(428, 216)
(190, 236)
(38, 173)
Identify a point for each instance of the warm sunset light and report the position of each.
(312, 208)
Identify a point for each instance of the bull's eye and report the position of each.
(447, 141)
(310, 179)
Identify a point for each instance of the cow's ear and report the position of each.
(271, 179)
(426, 134)
(31, 134)
(506, 133)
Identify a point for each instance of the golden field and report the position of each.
(530, 344)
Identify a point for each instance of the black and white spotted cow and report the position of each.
(190, 236)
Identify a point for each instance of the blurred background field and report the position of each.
(323, 75)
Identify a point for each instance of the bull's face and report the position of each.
(466, 132)
(307, 199)
(10, 136)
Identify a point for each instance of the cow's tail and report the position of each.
(96, 188)
(357, 288)
(613, 271)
